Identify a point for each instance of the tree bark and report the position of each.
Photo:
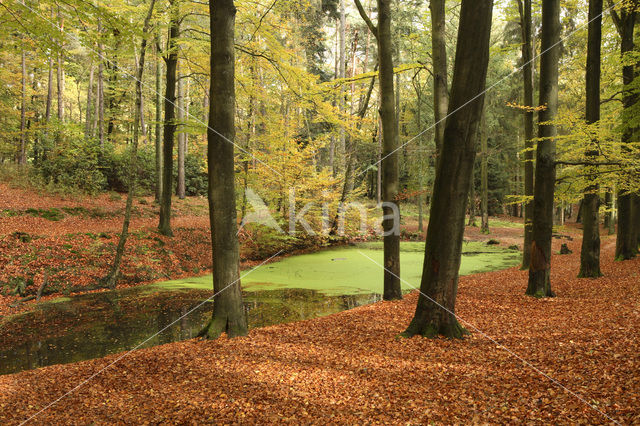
(158, 141)
(89, 112)
(590, 251)
(171, 62)
(484, 176)
(439, 58)
(392, 289)
(228, 312)
(22, 149)
(545, 175)
(472, 200)
(527, 71)
(435, 311)
(181, 139)
(625, 245)
(100, 94)
(60, 75)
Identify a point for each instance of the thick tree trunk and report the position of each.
(228, 312)
(625, 244)
(158, 141)
(545, 175)
(435, 311)
(111, 279)
(527, 71)
(590, 251)
(390, 223)
(484, 177)
(171, 62)
(181, 139)
(439, 58)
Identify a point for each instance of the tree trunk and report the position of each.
(228, 312)
(545, 174)
(439, 59)
(89, 114)
(435, 311)
(590, 251)
(22, 153)
(60, 75)
(390, 223)
(111, 279)
(527, 71)
(100, 93)
(625, 245)
(158, 141)
(484, 177)
(472, 200)
(47, 113)
(171, 62)
(181, 138)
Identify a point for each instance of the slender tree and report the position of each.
(545, 175)
(171, 63)
(527, 75)
(181, 138)
(435, 311)
(228, 312)
(158, 133)
(389, 166)
(590, 252)
(111, 279)
(484, 176)
(22, 149)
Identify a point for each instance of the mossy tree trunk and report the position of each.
(435, 311)
(545, 175)
(590, 251)
(228, 311)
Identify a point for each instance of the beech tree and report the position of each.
(171, 65)
(435, 311)
(626, 237)
(545, 174)
(524, 7)
(389, 165)
(228, 312)
(590, 252)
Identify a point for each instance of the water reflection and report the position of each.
(95, 325)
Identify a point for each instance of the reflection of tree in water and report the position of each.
(99, 324)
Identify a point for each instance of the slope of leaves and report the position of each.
(351, 367)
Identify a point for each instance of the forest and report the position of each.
(319, 211)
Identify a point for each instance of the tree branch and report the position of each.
(367, 20)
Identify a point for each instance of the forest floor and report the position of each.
(568, 359)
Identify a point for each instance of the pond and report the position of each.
(296, 288)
